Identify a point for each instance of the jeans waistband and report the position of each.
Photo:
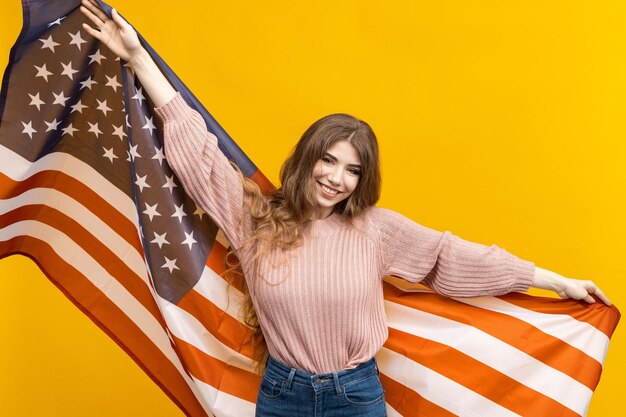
(318, 381)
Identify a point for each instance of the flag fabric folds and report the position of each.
(87, 193)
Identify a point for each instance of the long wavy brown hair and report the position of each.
(281, 217)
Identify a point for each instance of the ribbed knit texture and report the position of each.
(322, 307)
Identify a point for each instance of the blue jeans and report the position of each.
(291, 392)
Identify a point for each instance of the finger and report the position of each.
(95, 9)
(588, 298)
(95, 19)
(598, 293)
(119, 20)
(95, 33)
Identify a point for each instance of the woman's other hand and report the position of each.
(568, 287)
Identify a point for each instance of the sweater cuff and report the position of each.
(525, 271)
(175, 109)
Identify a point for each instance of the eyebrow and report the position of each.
(334, 159)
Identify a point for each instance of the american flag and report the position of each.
(86, 191)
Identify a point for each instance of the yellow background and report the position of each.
(500, 121)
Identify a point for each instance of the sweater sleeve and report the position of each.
(204, 171)
(448, 264)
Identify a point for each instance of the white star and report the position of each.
(102, 105)
(119, 131)
(199, 212)
(189, 240)
(69, 130)
(170, 264)
(28, 129)
(49, 43)
(93, 128)
(151, 211)
(108, 153)
(112, 82)
(60, 98)
(36, 101)
(180, 213)
(56, 22)
(160, 239)
(42, 71)
(139, 95)
(53, 125)
(149, 124)
(87, 83)
(159, 155)
(68, 70)
(79, 106)
(76, 39)
(133, 153)
(141, 182)
(97, 57)
(169, 183)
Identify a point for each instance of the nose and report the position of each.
(334, 176)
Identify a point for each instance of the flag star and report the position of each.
(160, 239)
(87, 83)
(189, 240)
(112, 82)
(28, 129)
(53, 125)
(199, 212)
(170, 264)
(169, 183)
(56, 22)
(79, 106)
(139, 95)
(133, 153)
(119, 131)
(108, 153)
(49, 43)
(77, 39)
(68, 70)
(69, 130)
(36, 101)
(159, 155)
(149, 124)
(97, 57)
(141, 182)
(151, 211)
(93, 128)
(179, 212)
(102, 105)
(42, 71)
(60, 98)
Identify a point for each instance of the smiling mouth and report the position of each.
(328, 190)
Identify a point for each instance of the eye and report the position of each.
(327, 160)
(354, 171)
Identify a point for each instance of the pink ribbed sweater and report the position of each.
(324, 310)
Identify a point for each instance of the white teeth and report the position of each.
(328, 190)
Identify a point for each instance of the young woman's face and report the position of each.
(336, 175)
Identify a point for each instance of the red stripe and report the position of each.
(534, 342)
(110, 318)
(97, 250)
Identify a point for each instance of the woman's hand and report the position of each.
(568, 287)
(116, 33)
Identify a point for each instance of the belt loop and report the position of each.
(290, 379)
(337, 388)
(376, 367)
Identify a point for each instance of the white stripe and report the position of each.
(215, 289)
(438, 389)
(492, 352)
(188, 328)
(17, 168)
(101, 230)
(222, 403)
(579, 334)
(391, 412)
(76, 256)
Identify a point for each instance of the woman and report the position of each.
(314, 252)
